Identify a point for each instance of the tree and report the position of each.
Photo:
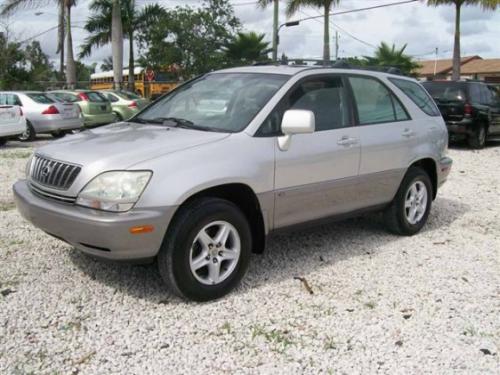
(264, 4)
(247, 48)
(294, 5)
(10, 6)
(99, 27)
(117, 44)
(192, 39)
(484, 4)
(107, 64)
(393, 57)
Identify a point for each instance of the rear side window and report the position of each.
(40, 98)
(67, 97)
(96, 97)
(112, 98)
(9, 99)
(128, 95)
(417, 95)
(375, 103)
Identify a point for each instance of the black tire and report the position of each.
(29, 134)
(118, 117)
(58, 134)
(2, 141)
(477, 140)
(174, 256)
(395, 215)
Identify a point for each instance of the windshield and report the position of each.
(446, 91)
(220, 102)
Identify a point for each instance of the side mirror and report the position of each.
(295, 121)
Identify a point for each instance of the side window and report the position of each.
(475, 93)
(16, 100)
(486, 95)
(375, 103)
(417, 95)
(325, 96)
(3, 99)
(112, 98)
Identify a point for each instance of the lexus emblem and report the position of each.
(45, 171)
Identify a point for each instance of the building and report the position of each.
(472, 67)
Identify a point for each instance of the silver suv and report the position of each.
(198, 179)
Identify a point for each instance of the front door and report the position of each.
(316, 176)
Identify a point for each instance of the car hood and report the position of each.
(121, 145)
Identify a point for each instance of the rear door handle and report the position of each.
(408, 133)
(347, 141)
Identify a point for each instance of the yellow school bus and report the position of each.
(148, 83)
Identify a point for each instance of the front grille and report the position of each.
(53, 173)
(49, 195)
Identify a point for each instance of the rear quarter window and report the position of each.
(417, 95)
(96, 97)
(40, 98)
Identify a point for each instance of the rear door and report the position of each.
(387, 135)
(316, 177)
(98, 103)
(494, 103)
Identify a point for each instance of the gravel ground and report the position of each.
(380, 303)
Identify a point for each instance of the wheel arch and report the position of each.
(429, 165)
(245, 199)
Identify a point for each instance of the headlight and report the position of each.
(116, 191)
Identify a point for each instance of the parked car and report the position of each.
(199, 189)
(469, 109)
(124, 104)
(43, 114)
(12, 122)
(95, 108)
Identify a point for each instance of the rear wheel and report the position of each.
(29, 134)
(118, 117)
(58, 134)
(477, 140)
(410, 208)
(206, 250)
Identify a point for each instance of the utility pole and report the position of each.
(61, 34)
(275, 30)
(436, 62)
(336, 45)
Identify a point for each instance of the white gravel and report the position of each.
(381, 303)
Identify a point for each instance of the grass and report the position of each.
(371, 305)
(16, 155)
(279, 338)
(7, 205)
(330, 343)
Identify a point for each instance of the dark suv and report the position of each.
(471, 109)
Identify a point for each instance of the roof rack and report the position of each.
(338, 64)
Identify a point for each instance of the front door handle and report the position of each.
(408, 133)
(347, 141)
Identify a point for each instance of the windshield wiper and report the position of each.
(179, 123)
(138, 120)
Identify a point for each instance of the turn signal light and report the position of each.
(467, 109)
(141, 229)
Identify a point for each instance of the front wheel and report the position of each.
(206, 250)
(410, 208)
(58, 134)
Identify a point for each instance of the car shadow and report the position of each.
(463, 146)
(287, 255)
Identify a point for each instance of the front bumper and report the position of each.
(444, 168)
(97, 233)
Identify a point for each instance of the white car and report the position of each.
(12, 122)
(43, 114)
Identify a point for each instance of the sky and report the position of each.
(421, 27)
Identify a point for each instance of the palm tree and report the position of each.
(247, 48)
(485, 4)
(264, 4)
(10, 6)
(99, 27)
(386, 55)
(117, 43)
(294, 5)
